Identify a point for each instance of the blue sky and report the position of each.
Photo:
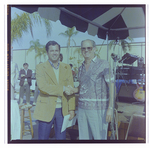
(39, 32)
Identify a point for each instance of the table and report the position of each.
(126, 110)
(124, 113)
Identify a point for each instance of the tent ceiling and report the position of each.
(118, 21)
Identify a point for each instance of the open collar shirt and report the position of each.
(26, 71)
(53, 64)
(94, 90)
(56, 71)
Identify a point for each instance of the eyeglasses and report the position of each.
(88, 48)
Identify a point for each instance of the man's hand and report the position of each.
(22, 75)
(109, 115)
(72, 114)
(69, 90)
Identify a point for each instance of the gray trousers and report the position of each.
(92, 124)
(23, 89)
(36, 93)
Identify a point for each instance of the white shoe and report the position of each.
(29, 105)
(23, 107)
(34, 103)
(26, 106)
(20, 105)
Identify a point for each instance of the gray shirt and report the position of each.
(94, 90)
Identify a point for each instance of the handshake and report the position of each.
(69, 90)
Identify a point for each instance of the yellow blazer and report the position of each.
(50, 90)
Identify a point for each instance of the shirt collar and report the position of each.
(94, 60)
(53, 64)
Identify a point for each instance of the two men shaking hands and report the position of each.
(69, 90)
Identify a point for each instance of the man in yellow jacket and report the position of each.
(53, 104)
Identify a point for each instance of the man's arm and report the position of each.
(69, 90)
(111, 103)
(111, 92)
(29, 75)
(110, 80)
(22, 74)
(71, 98)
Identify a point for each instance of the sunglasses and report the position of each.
(88, 48)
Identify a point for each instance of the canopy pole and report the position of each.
(107, 44)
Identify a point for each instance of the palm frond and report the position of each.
(130, 39)
(74, 42)
(48, 27)
(24, 22)
(30, 49)
(63, 34)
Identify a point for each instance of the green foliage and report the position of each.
(71, 58)
(39, 49)
(24, 23)
(41, 52)
(69, 33)
(34, 45)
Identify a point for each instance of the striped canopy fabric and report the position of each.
(118, 21)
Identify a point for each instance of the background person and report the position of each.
(15, 114)
(73, 72)
(14, 78)
(61, 57)
(25, 83)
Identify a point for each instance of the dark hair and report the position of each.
(71, 65)
(61, 57)
(51, 43)
(25, 64)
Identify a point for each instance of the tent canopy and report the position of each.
(118, 21)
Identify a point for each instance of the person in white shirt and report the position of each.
(15, 115)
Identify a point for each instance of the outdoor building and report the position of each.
(20, 56)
